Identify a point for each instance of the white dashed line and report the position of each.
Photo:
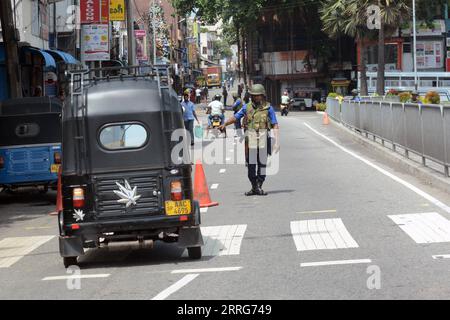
(215, 186)
(175, 287)
(441, 256)
(333, 263)
(222, 170)
(77, 276)
(203, 210)
(207, 270)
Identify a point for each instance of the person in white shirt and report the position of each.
(216, 108)
(198, 94)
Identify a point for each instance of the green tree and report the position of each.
(348, 17)
(393, 13)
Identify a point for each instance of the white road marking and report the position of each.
(203, 210)
(222, 240)
(175, 287)
(441, 256)
(231, 150)
(333, 263)
(321, 234)
(14, 249)
(77, 276)
(222, 170)
(385, 172)
(428, 227)
(207, 270)
(37, 228)
(319, 211)
(214, 186)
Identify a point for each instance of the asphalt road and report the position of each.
(338, 223)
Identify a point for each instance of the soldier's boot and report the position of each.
(254, 191)
(261, 192)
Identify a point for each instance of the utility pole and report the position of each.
(10, 40)
(415, 44)
(154, 31)
(130, 33)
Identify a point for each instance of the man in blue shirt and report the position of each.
(189, 115)
(261, 118)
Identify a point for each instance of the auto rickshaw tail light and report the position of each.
(78, 197)
(57, 157)
(176, 192)
(2, 162)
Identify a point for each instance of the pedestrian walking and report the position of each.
(198, 95)
(225, 95)
(239, 90)
(189, 115)
(261, 118)
(237, 106)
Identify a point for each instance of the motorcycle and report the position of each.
(284, 109)
(215, 124)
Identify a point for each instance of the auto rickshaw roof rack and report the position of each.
(82, 78)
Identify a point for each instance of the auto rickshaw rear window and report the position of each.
(123, 136)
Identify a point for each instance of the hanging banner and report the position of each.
(94, 11)
(104, 9)
(89, 11)
(141, 45)
(95, 42)
(117, 10)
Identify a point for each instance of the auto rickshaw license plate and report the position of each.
(175, 208)
(54, 168)
(216, 123)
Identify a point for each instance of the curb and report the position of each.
(424, 174)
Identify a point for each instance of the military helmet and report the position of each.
(217, 97)
(257, 89)
(187, 92)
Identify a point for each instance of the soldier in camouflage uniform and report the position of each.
(261, 118)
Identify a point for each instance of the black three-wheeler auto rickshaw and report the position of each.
(119, 181)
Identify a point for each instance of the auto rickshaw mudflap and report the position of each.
(70, 246)
(190, 237)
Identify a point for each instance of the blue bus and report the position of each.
(30, 143)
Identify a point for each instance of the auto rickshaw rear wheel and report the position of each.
(70, 261)
(195, 252)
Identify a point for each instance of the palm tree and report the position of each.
(393, 12)
(347, 17)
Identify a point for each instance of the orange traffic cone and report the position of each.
(201, 192)
(325, 118)
(59, 206)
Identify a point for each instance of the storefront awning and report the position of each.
(67, 58)
(49, 64)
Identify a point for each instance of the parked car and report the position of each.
(301, 103)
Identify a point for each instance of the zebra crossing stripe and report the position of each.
(222, 240)
(429, 227)
(14, 249)
(321, 234)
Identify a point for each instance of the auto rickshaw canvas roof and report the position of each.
(30, 105)
(123, 98)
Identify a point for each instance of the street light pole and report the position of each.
(130, 34)
(415, 45)
(154, 31)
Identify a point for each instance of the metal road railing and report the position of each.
(419, 129)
